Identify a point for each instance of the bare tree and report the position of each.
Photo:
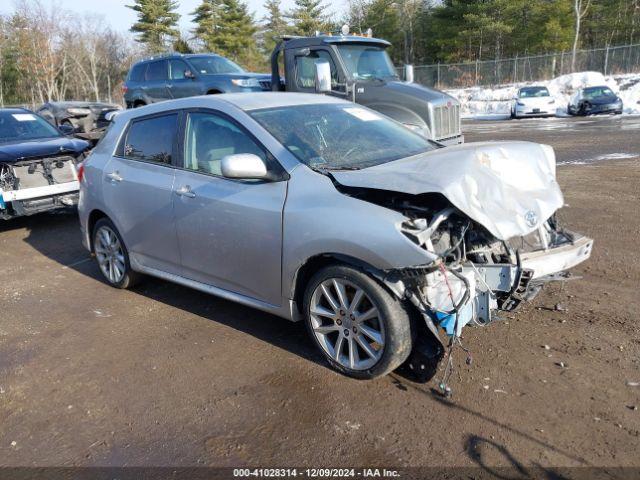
(580, 9)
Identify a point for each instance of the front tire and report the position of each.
(112, 255)
(361, 329)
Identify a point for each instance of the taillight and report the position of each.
(80, 171)
(125, 89)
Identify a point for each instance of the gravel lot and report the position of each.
(163, 375)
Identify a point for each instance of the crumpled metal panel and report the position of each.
(510, 188)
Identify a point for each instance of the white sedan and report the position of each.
(533, 102)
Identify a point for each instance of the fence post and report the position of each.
(476, 72)
(515, 69)
(438, 86)
(606, 60)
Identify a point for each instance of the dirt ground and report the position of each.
(166, 376)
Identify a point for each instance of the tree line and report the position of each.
(46, 53)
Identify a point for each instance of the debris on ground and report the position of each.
(633, 384)
(561, 364)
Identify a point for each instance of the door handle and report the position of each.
(114, 177)
(185, 191)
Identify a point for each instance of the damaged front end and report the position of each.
(37, 185)
(489, 232)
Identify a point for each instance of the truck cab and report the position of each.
(361, 71)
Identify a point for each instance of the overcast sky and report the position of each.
(121, 17)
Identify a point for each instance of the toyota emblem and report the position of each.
(531, 218)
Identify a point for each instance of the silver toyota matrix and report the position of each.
(316, 209)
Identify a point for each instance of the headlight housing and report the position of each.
(246, 82)
(552, 101)
(520, 104)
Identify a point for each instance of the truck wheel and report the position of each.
(360, 328)
(112, 255)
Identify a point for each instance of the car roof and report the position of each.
(15, 110)
(243, 101)
(170, 56)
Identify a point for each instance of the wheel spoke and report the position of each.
(354, 356)
(342, 294)
(368, 315)
(329, 297)
(371, 333)
(320, 311)
(325, 329)
(355, 302)
(337, 348)
(365, 346)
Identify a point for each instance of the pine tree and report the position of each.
(226, 27)
(309, 16)
(274, 25)
(156, 23)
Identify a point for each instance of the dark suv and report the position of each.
(176, 76)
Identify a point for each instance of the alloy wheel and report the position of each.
(347, 324)
(110, 254)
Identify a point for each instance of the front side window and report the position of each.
(157, 71)
(306, 68)
(152, 139)
(20, 126)
(340, 136)
(366, 62)
(212, 65)
(210, 138)
(178, 69)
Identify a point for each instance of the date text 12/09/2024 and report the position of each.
(315, 473)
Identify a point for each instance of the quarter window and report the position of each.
(210, 138)
(137, 73)
(306, 68)
(152, 139)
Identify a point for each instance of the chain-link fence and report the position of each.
(609, 61)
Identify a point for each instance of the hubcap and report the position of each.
(347, 324)
(110, 254)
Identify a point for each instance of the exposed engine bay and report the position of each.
(470, 275)
(37, 185)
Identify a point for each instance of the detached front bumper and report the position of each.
(557, 259)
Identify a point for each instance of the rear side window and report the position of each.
(137, 72)
(152, 139)
(157, 71)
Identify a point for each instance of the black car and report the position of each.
(177, 76)
(593, 100)
(37, 164)
(88, 119)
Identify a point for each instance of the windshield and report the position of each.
(23, 126)
(594, 92)
(531, 92)
(340, 136)
(210, 65)
(365, 62)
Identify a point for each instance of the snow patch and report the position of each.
(490, 103)
(609, 156)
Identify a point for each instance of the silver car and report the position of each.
(316, 209)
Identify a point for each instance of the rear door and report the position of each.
(179, 85)
(230, 231)
(155, 84)
(138, 188)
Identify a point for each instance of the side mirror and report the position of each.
(323, 77)
(67, 129)
(408, 73)
(189, 74)
(243, 165)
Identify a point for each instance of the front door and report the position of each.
(138, 188)
(180, 85)
(229, 231)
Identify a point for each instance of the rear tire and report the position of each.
(362, 330)
(112, 255)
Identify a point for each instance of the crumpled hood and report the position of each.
(510, 188)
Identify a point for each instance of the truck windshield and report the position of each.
(211, 65)
(18, 126)
(340, 136)
(365, 62)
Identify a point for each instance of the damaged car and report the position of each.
(88, 120)
(316, 209)
(37, 165)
